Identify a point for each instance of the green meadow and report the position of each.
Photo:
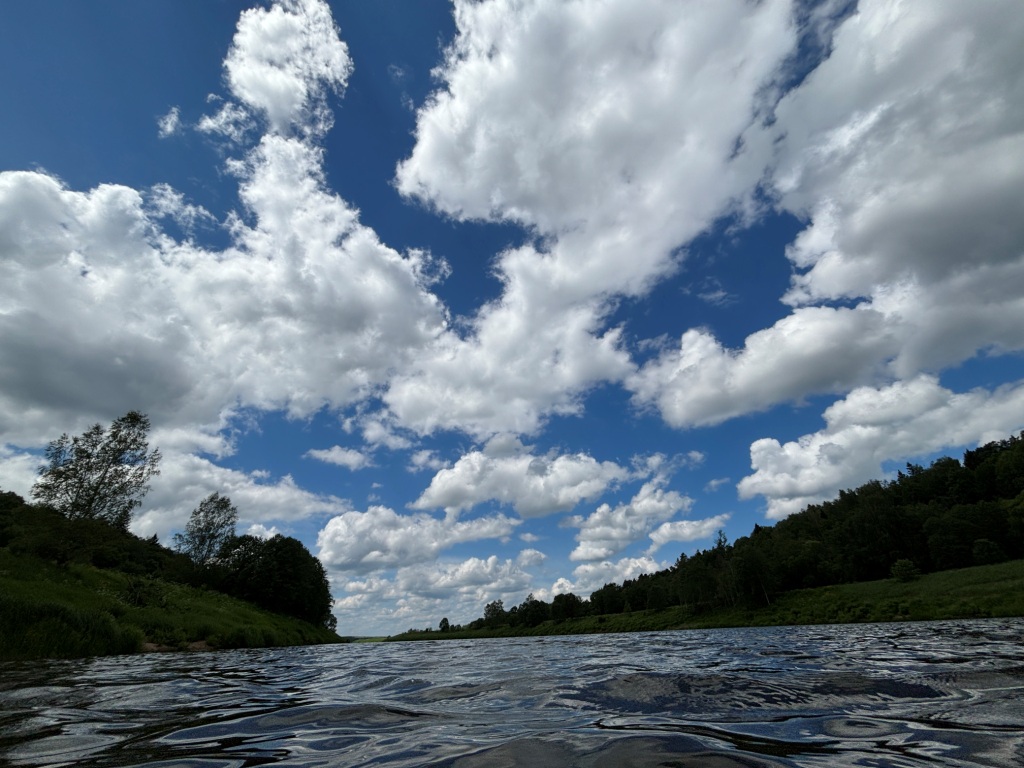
(62, 611)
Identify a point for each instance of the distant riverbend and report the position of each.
(918, 694)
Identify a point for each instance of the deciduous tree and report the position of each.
(101, 474)
(211, 525)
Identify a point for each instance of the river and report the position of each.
(929, 694)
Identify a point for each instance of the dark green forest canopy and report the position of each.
(953, 514)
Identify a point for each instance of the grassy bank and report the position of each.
(63, 611)
(983, 591)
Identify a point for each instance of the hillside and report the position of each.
(978, 592)
(82, 588)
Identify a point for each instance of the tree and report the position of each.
(280, 575)
(566, 606)
(211, 525)
(494, 613)
(533, 611)
(101, 474)
(444, 626)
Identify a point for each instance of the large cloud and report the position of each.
(608, 530)
(507, 472)
(304, 308)
(381, 539)
(904, 151)
(615, 145)
(872, 426)
(458, 590)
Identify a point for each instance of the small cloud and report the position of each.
(426, 459)
(231, 121)
(260, 531)
(378, 432)
(165, 201)
(686, 530)
(343, 457)
(714, 485)
(529, 557)
(170, 124)
(397, 73)
(717, 298)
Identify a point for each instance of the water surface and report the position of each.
(929, 694)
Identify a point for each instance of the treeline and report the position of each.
(86, 494)
(950, 515)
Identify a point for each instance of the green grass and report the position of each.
(62, 611)
(983, 591)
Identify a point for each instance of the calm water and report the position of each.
(935, 694)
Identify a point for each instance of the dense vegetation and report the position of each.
(56, 602)
(951, 515)
(75, 587)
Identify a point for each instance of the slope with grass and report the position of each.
(52, 611)
(71, 588)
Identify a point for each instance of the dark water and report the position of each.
(934, 694)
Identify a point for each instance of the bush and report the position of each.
(987, 552)
(904, 570)
(31, 630)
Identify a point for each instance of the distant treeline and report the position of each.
(278, 574)
(951, 515)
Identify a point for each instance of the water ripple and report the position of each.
(903, 695)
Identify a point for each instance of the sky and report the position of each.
(483, 299)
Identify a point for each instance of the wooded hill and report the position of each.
(951, 515)
(77, 587)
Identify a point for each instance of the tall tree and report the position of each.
(101, 474)
(211, 525)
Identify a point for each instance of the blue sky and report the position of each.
(483, 299)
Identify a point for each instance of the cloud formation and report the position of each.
(912, 96)
(381, 539)
(614, 146)
(871, 426)
(609, 530)
(506, 471)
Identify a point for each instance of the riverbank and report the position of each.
(73, 610)
(979, 592)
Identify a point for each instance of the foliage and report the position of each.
(210, 527)
(279, 574)
(101, 474)
(905, 570)
(78, 587)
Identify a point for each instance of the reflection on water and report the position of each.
(933, 694)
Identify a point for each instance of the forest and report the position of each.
(950, 515)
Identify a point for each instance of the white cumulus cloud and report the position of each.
(871, 426)
(342, 457)
(533, 485)
(381, 539)
(609, 530)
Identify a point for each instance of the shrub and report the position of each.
(904, 570)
